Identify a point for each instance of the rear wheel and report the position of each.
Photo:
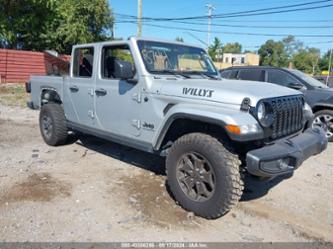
(203, 175)
(52, 123)
(324, 120)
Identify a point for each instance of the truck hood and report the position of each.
(224, 91)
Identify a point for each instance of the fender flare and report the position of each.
(322, 105)
(217, 115)
(50, 89)
(181, 115)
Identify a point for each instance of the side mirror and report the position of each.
(123, 70)
(296, 86)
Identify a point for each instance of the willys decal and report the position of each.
(198, 92)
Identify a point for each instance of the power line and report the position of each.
(278, 12)
(276, 8)
(253, 3)
(248, 26)
(125, 20)
(263, 27)
(306, 43)
(237, 33)
(243, 13)
(273, 21)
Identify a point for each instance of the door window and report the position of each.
(250, 74)
(280, 78)
(226, 74)
(110, 54)
(83, 62)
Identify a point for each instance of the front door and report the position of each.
(81, 87)
(117, 101)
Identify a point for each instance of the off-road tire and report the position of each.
(325, 112)
(58, 132)
(229, 186)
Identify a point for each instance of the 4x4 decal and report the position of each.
(198, 92)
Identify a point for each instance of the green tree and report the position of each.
(179, 39)
(292, 46)
(324, 61)
(307, 60)
(215, 48)
(273, 53)
(81, 21)
(24, 23)
(53, 24)
(234, 48)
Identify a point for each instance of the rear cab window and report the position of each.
(83, 62)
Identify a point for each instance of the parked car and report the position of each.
(317, 94)
(167, 98)
(323, 79)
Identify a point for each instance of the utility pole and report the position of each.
(113, 31)
(210, 11)
(329, 65)
(139, 18)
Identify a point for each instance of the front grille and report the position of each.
(288, 115)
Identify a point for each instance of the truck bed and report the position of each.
(40, 83)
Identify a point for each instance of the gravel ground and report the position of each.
(94, 190)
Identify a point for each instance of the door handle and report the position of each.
(100, 92)
(74, 88)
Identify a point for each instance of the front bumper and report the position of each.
(286, 155)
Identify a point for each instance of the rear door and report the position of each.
(251, 74)
(81, 86)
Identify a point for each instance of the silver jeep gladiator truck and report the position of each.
(167, 98)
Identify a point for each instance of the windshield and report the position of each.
(166, 58)
(308, 79)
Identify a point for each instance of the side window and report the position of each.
(110, 55)
(83, 62)
(226, 74)
(229, 74)
(233, 74)
(250, 74)
(280, 78)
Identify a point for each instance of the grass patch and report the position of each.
(13, 95)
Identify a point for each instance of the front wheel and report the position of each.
(52, 123)
(324, 120)
(203, 175)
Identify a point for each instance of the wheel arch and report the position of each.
(180, 124)
(322, 106)
(49, 94)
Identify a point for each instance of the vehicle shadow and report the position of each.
(137, 158)
(254, 187)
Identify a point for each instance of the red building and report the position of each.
(16, 66)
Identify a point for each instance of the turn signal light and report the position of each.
(233, 129)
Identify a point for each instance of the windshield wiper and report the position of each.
(204, 74)
(210, 76)
(173, 72)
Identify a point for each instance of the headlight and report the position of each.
(307, 108)
(265, 114)
(261, 111)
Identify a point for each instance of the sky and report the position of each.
(186, 8)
